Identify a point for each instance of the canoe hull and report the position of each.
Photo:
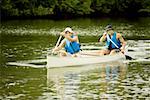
(54, 61)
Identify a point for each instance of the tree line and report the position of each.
(74, 8)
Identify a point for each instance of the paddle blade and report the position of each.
(128, 57)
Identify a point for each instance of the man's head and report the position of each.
(109, 29)
(68, 30)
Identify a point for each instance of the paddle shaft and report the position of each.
(58, 41)
(57, 44)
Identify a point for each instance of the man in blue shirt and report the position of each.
(70, 43)
(114, 41)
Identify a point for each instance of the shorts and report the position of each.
(116, 49)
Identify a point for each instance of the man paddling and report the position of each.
(114, 41)
(70, 43)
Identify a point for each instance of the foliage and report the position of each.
(72, 8)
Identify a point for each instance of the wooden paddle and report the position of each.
(57, 43)
(127, 57)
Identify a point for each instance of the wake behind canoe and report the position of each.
(55, 61)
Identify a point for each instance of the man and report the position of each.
(114, 41)
(70, 43)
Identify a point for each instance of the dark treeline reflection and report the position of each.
(74, 8)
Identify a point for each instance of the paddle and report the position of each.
(127, 57)
(57, 43)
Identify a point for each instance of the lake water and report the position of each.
(30, 40)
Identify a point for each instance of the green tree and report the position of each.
(71, 8)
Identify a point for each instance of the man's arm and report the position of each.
(75, 38)
(103, 38)
(122, 41)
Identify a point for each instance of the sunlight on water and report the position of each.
(88, 31)
(88, 27)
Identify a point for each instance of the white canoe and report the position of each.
(55, 61)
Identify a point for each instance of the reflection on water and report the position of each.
(89, 82)
(113, 80)
(102, 81)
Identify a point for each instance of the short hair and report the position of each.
(108, 27)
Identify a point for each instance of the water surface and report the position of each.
(24, 40)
